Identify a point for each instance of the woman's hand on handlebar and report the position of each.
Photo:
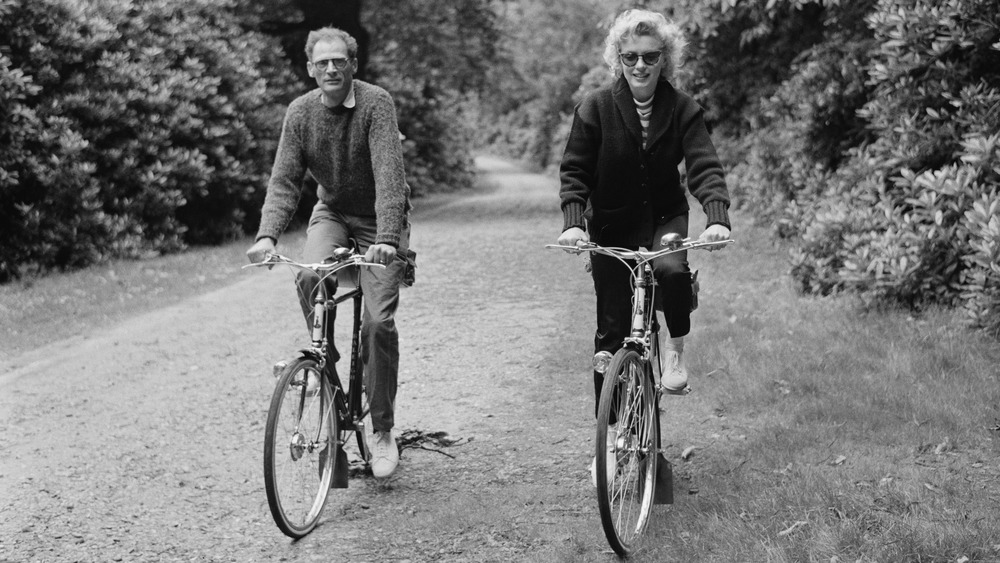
(260, 250)
(714, 233)
(573, 236)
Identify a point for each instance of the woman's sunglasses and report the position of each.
(650, 58)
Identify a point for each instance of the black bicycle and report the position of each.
(628, 456)
(312, 416)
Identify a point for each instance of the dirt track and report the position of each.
(144, 442)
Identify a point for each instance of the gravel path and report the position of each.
(144, 442)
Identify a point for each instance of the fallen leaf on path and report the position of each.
(687, 453)
(839, 461)
(943, 447)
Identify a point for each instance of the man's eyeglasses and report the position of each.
(650, 58)
(324, 65)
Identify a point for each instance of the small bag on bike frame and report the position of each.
(410, 271)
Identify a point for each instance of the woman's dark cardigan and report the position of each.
(622, 190)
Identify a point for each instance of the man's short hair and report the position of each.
(331, 34)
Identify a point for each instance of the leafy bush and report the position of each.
(436, 148)
(135, 126)
(50, 212)
(906, 217)
(552, 44)
(432, 57)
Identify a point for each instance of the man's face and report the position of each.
(335, 82)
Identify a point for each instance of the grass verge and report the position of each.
(36, 312)
(827, 433)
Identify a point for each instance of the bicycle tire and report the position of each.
(300, 442)
(357, 394)
(625, 497)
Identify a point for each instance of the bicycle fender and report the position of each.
(664, 492)
(311, 353)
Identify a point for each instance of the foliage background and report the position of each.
(129, 128)
(864, 132)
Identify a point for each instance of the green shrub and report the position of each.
(135, 127)
(431, 57)
(50, 211)
(907, 219)
(436, 147)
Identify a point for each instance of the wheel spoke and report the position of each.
(625, 498)
(299, 448)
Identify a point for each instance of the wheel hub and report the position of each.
(297, 446)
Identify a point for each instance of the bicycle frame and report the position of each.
(644, 324)
(347, 404)
(643, 308)
(350, 411)
(311, 417)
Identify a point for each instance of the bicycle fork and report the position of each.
(663, 493)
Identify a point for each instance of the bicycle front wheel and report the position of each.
(627, 442)
(299, 447)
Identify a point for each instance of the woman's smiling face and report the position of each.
(642, 77)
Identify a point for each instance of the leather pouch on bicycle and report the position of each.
(410, 271)
(341, 470)
(664, 481)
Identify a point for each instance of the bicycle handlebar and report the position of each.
(343, 258)
(640, 255)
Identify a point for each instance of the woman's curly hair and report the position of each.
(636, 23)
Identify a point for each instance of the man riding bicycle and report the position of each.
(344, 133)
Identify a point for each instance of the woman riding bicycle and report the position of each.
(621, 186)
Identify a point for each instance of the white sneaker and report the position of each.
(673, 374)
(385, 455)
(610, 459)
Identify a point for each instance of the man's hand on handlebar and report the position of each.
(260, 250)
(381, 254)
(573, 236)
(714, 233)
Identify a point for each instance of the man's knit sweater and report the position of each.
(353, 153)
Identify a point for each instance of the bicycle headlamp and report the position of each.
(602, 360)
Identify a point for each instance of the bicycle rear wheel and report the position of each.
(300, 442)
(626, 464)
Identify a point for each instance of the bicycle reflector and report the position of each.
(602, 360)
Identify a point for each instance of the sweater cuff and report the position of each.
(266, 234)
(573, 216)
(391, 240)
(717, 213)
